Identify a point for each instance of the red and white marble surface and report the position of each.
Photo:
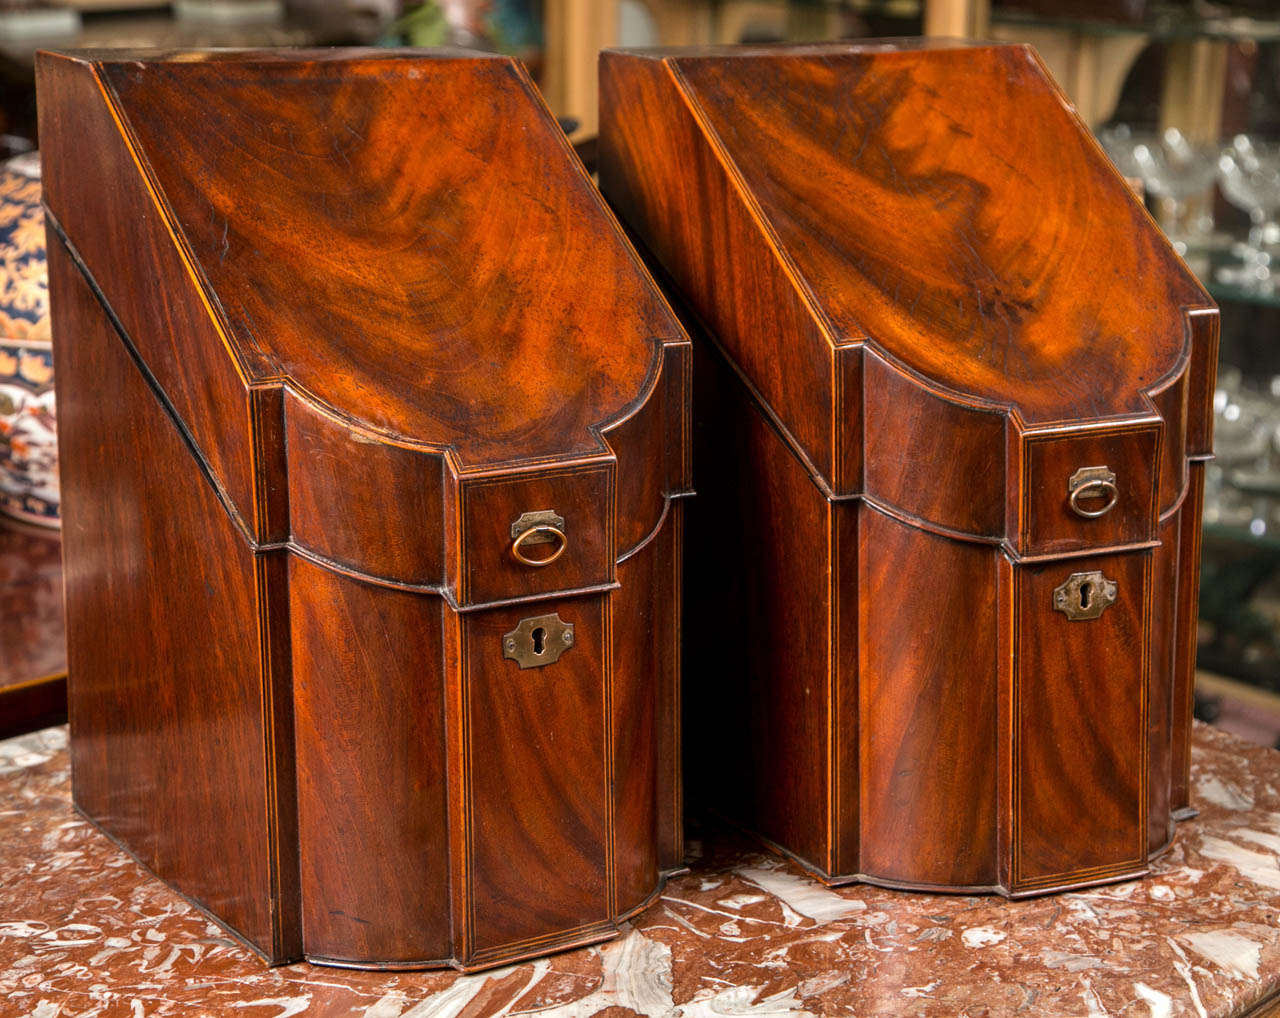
(86, 933)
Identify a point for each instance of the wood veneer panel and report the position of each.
(645, 703)
(371, 782)
(927, 707)
(1080, 736)
(954, 145)
(1162, 682)
(343, 484)
(930, 456)
(1185, 633)
(168, 741)
(540, 773)
(708, 239)
(151, 290)
(412, 214)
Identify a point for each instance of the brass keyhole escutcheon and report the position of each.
(1084, 596)
(538, 528)
(1092, 492)
(538, 641)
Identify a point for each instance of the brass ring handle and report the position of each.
(543, 532)
(1097, 488)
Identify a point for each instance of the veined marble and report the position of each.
(86, 933)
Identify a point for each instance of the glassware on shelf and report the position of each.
(1242, 485)
(1177, 171)
(1249, 175)
(1117, 142)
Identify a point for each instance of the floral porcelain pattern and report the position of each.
(28, 437)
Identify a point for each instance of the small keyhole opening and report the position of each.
(539, 640)
(1085, 590)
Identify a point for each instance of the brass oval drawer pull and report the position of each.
(1090, 483)
(533, 529)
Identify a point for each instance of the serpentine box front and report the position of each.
(372, 425)
(954, 407)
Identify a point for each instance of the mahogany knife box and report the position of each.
(372, 433)
(953, 404)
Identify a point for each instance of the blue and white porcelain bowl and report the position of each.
(28, 437)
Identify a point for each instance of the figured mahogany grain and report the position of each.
(170, 751)
(927, 710)
(150, 291)
(836, 142)
(937, 301)
(397, 224)
(371, 782)
(540, 778)
(1080, 736)
(343, 483)
(338, 320)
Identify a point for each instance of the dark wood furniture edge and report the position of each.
(34, 704)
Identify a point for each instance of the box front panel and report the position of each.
(1095, 489)
(928, 709)
(368, 667)
(539, 770)
(509, 543)
(647, 797)
(1079, 721)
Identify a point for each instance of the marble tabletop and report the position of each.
(87, 933)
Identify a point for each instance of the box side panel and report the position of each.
(932, 458)
(1171, 404)
(1204, 328)
(1080, 736)
(1163, 681)
(369, 692)
(757, 624)
(846, 771)
(539, 778)
(928, 642)
(659, 170)
(167, 697)
(1184, 637)
(363, 502)
(645, 715)
(652, 450)
(117, 228)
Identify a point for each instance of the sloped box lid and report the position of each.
(392, 256)
(916, 254)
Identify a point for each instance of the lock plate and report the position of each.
(1084, 596)
(538, 641)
